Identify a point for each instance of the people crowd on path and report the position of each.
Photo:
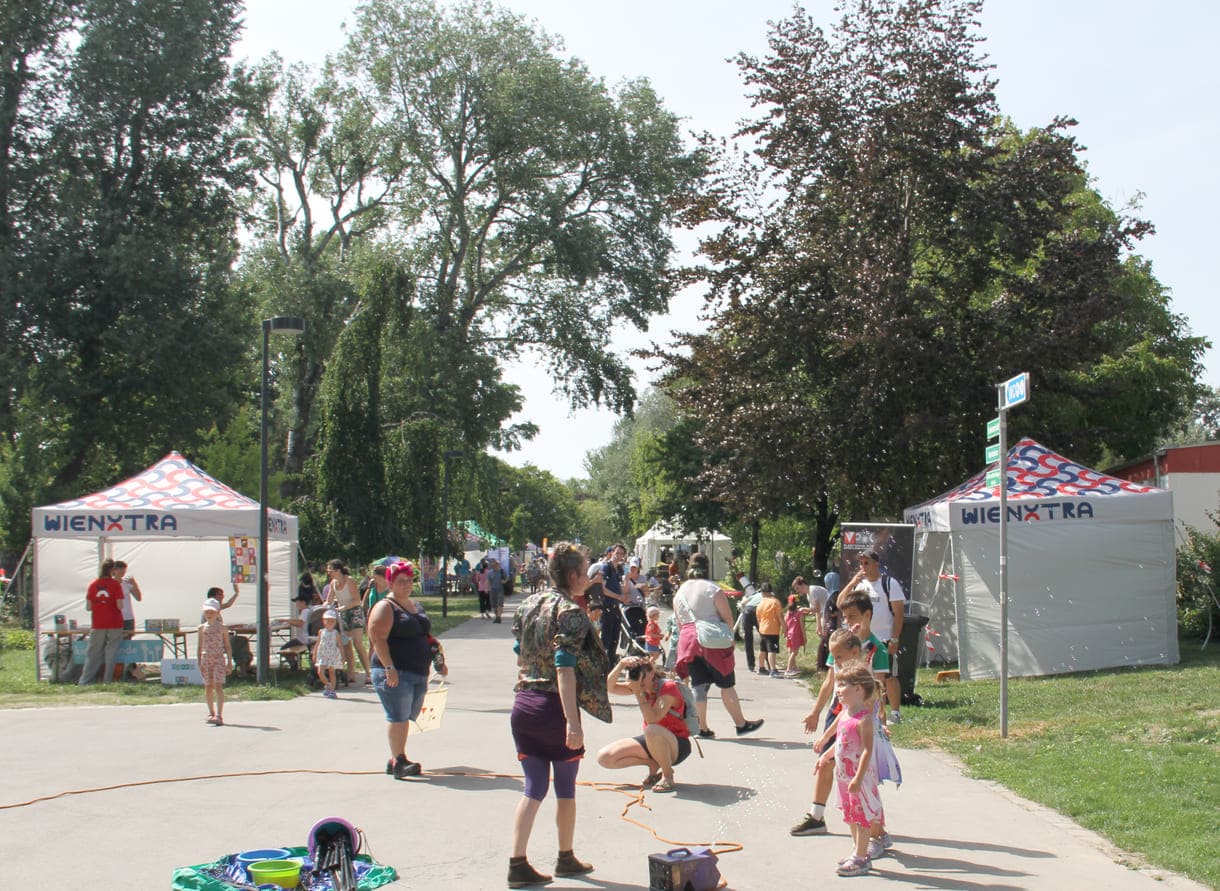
(567, 632)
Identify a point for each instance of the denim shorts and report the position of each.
(401, 703)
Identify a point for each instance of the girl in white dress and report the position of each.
(327, 655)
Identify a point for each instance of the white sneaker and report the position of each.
(895, 717)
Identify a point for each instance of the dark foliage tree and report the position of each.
(919, 250)
(121, 335)
(33, 64)
(543, 508)
(352, 513)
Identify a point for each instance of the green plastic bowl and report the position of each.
(285, 873)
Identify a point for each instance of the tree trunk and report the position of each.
(823, 534)
(754, 527)
(297, 448)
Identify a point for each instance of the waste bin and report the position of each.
(908, 654)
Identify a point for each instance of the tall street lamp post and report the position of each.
(280, 325)
(453, 453)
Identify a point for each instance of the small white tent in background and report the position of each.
(1091, 570)
(172, 525)
(670, 534)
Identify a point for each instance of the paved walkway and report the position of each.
(450, 828)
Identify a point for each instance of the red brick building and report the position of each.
(1191, 472)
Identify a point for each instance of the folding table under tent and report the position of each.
(171, 524)
(1091, 570)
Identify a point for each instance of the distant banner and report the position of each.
(894, 542)
(243, 559)
(430, 569)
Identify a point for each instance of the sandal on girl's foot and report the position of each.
(856, 866)
(665, 786)
(211, 719)
(651, 779)
(568, 865)
(219, 722)
(522, 875)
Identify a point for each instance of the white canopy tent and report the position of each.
(1091, 570)
(171, 524)
(670, 534)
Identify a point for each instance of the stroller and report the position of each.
(631, 633)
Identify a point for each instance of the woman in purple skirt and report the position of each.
(562, 670)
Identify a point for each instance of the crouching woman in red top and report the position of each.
(665, 742)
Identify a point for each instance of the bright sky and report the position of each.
(1138, 77)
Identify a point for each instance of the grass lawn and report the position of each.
(1133, 754)
(20, 689)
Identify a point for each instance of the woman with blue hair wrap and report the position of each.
(562, 670)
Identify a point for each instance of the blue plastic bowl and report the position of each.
(245, 858)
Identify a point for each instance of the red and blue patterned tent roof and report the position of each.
(172, 498)
(1033, 473)
(173, 483)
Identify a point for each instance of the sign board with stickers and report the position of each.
(243, 559)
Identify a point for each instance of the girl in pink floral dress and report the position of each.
(215, 660)
(794, 628)
(855, 766)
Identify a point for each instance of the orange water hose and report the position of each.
(634, 794)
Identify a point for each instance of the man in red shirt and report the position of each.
(104, 600)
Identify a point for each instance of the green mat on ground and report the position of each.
(226, 874)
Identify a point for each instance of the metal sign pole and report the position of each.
(1003, 563)
(1012, 392)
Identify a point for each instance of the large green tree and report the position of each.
(526, 204)
(897, 247)
(122, 335)
(326, 173)
(535, 203)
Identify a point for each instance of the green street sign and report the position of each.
(993, 428)
(993, 477)
(992, 453)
